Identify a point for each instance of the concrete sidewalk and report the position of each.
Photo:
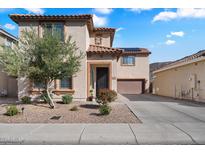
(93, 134)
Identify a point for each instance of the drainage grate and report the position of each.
(55, 117)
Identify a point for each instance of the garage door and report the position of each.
(126, 86)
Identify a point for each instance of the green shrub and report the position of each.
(26, 99)
(106, 95)
(11, 110)
(74, 108)
(105, 109)
(67, 99)
(44, 97)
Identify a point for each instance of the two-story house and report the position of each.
(8, 84)
(125, 70)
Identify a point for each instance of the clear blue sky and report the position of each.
(169, 34)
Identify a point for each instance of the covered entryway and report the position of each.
(99, 76)
(102, 78)
(130, 86)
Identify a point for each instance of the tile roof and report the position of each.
(104, 29)
(17, 17)
(199, 54)
(135, 51)
(103, 50)
(2, 31)
(87, 17)
(188, 58)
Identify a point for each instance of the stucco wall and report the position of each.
(8, 84)
(23, 83)
(105, 40)
(139, 71)
(2, 40)
(79, 33)
(182, 82)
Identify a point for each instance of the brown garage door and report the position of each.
(126, 86)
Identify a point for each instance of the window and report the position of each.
(54, 29)
(66, 83)
(128, 60)
(38, 85)
(98, 39)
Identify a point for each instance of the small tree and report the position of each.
(42, 60)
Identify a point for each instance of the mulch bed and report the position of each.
(86, 113)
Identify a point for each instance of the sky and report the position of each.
(169, 34)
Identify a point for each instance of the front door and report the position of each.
(102, 78)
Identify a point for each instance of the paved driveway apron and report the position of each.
(167, 121)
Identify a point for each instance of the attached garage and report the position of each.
(130, 86)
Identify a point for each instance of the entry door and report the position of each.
(102, 78)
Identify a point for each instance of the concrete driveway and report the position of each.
(167, 121)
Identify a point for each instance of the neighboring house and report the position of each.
(152, 68)
(125, 70)
(8, 84)
(184, 78)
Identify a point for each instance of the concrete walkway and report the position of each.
(165, 121)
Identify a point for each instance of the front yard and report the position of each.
(86, 112)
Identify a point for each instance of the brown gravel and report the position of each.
(86, 113)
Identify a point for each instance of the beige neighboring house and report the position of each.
(184, 78)
(8, 84)
(125, 70)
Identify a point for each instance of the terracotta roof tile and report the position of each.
(103, 50)
(186, 59)
(17, 17)
(104, 29)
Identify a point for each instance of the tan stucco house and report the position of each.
(125, 70)
(184, 78)
(8, 84)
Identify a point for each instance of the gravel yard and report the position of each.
(86, 113)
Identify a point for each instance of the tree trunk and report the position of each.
(50, 100)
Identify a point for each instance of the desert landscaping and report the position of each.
(86, 112)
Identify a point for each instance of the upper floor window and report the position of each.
(54, 29)
(66, 83)
(98, 39)
(128, 60)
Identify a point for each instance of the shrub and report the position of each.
(26, 99)
(112, 95)
(44, 97)
(12, 110)
(106, 95)
(105, 109)
(67, 99)
(74, 108)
